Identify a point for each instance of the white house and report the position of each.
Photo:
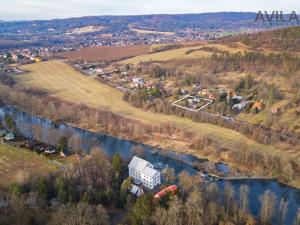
(138, 81)
(143, 172)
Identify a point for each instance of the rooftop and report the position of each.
(143, 166)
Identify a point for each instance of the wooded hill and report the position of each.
(285, 39)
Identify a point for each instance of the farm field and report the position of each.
(16, 164)
(106, 52)
(182, 53)
(61, 80)
(169, 55)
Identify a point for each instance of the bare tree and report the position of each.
(175, 212)
(268, 201)
(169, 175)
(75, 142)
(187, 182)
(229, 194)
(297, 219)
(80, 214)
(160, 216)
(283, 208)
(212, 212)
(212, 191)
(194, 208)
(244, 200)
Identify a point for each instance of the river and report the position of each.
(49, 132)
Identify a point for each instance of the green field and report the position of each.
(19, 164)
(61, 80)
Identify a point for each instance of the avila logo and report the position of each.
(276, 16)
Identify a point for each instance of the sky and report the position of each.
(51, 9)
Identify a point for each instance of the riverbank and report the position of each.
(161, 159)
(66, 96)
(180, 146)
(218, 144)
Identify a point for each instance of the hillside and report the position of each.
(285, 39)
(64, 82)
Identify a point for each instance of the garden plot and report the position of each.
(192, 103)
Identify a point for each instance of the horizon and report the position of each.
(126, 15)
(28, 10)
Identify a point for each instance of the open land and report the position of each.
(190, 52)
(61, 80)
(142, 31)
(19, 164)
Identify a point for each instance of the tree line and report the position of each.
(285, 39)
(95, 191)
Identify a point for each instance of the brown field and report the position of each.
(106, 52)
(179, 53)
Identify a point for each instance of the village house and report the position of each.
(138, 82)
(258, 106)
(136, 190)
(143, 172)
(148, 85)
(241, 106)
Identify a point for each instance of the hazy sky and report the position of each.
(49, 9)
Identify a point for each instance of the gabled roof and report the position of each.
(138, 163)
(149, 172)
(143, 166)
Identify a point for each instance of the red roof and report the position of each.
(171, 189)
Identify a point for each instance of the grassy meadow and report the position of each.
(19, 164)
(183, 53)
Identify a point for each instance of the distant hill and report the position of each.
(204, 21)
(284, 39)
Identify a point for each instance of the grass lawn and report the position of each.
(17, 165)
(61, 80)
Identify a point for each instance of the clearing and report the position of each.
(19, 164)
(141, 31)
(61, 80)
